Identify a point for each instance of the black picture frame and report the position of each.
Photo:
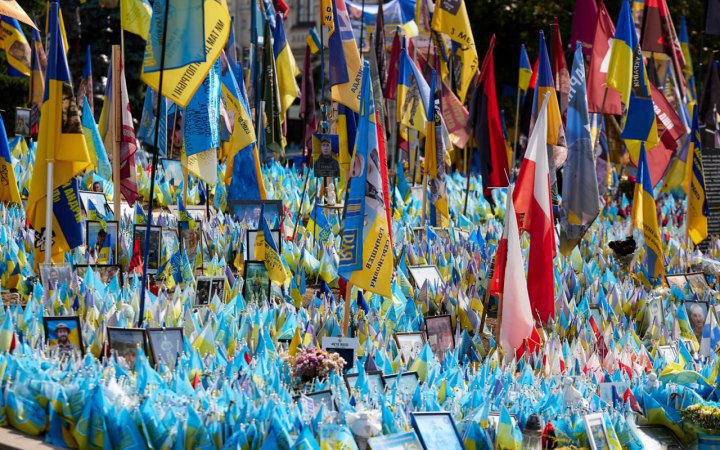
(318, 398)
(426, 272)
(53, 274)
(155, 252)
(157, 339)
(271, 209)
(98, 198)
(374, 377)
(22, 122)
(253, 268)
(436, 430)
(661, 435)
(50, 324)
(190, 242)
(403, 339)
(439, 332)
(104, 271)
(407, 387)
(207, 288)
(112, 230)
(692, 308)
(124, 342)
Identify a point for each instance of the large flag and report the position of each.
(581, 203)
(128, 144)
(451, 17)
(583, 24)
(533, 203)
(697, 206)
(644, 217)
(273, 139)
(659, 36)
(286, 68)
(670, 129)
(627, 74)
(60, 140)
(345, 67)
(135, 17)
(435, 162)
(17, 49)
(710, 104)
(96, 148)
(517, 316)
(366, 257)
(201, 127)
(196, 34)
(37, 80)
(487, 125)
(598, 90)
(9, 191)
(85, 90)
(413, 95)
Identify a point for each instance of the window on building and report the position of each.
(304, 11)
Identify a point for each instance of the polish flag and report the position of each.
(517, 319)
(534, 205)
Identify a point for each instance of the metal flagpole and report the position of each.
(153, 170)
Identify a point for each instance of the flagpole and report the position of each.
(467, 176)
(116, 115)
(346, 312)
(517, 121)
(49, 206)
(153, 169)
(499, 320)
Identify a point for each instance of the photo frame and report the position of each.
(436, 430)
(193, 242)
(346, 347)
(605, 390)
(408, 381)
(658, 436)
(399, 441)
(325, 154)
(53, 275)
(104, 271)
(697, 312)
(596, 432)
(248, 211)
(409, 345)
(678, 280)
(166, 345)
(197, 212)
(375, 381)
(98, 199)
(207, 288)
(440, 335)
(64, 334)
(669, 352)
(420, 274)
(155, 250)
(22, 122)
(698, 283)
(251, 237)
(103, 242)
(124, 342)
(257, 282)
(318, 398)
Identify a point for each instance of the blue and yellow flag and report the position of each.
(366, 257)
(688, 67)
(285, 67)
(196, 34)
(524, 71)
(135, 16)
(66, 46)
(545, 85)
(644, 217)
(37, 80)
(694, 187)
(17, 49)
(95, 146)
(435, 163)
(413, 95)
(276, 270)
(451, 17)
(60, 141)
(9, 191)
(345, 67)
(313, 41)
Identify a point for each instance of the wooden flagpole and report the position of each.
(116, 117)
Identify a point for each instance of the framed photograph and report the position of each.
(102, 241)
(657, 312)
(314, 400)
(408, 381)
(106, 272)
(605, 390)
(698, 283)
(248, 212)
(678, 280)
(22, 122)
(125, 343)
(253, 237)
(375, 381)
(669, 352)
(325, 152)
(436, 430)
(409, 345)
(697, 312)
(440, 335)
(658, 436)
(596, 432)
(154, 247)
(421, 274)
(192, 242)
(344, 346)
(53, 275)
(207, 288)
(399, 441)
(166, 345)
(64, 334)
(197, 212)
(98, 200)
(256, 287)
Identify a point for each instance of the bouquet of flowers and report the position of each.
(704, 416)
(311, 363)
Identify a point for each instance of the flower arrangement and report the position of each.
(312, 363)
(704, 416)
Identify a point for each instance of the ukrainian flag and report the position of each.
(96, 148)
(697, 209)
(286, 68)
(9, 191)
(274, 265)
(345, 67)
(413, 95)
(17, 49)
(61, 141)
(524, 71)
(313, 41)
(688, 67)
(434, 163)
(546, 85)
(135, 17)
(37, 75)
(644, 216)
(451, 18)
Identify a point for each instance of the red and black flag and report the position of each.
(659, 36)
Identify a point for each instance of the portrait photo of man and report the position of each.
(325, 149)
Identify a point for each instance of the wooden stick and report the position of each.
(499, 321)
(116, 115)
(346, 313)
(424, 197)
